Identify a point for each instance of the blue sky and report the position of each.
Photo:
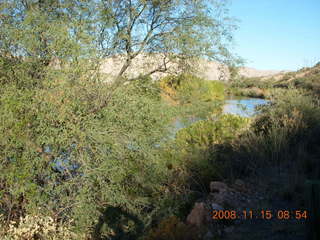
(277, 34)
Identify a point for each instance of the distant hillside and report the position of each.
(306, 78)
(252, 72)
(207, 69)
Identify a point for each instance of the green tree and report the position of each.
(177, 32)
(72, 146)
(185, 28)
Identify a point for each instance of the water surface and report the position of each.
(244, 107)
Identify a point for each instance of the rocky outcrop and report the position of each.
(218, 187)
(198, 215)
(222, 197)
(210, 70)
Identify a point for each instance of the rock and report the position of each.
(229, 229)
(239, 182)
(218, 186)
(198, 214)
(239, 185)
(218, 198)
(216, 207)
(209, 236)
(237, 222)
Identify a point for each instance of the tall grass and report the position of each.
(290, 119)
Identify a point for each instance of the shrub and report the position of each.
(250, 92)
(287, 104)
(188, 88)
(206, 133)
(285, 130)
(106, 158)
(196, 146)
(38, 227)
(251, 82)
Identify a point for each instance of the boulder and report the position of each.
(218, 186)
(197, 216)
(209, 236)
(239, 182)
(216, 207)
(239, 185)
(229, 229)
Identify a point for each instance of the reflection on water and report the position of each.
(243, 107)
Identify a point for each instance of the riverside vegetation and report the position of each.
(84, 159)
(156, 178)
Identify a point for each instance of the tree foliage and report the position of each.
(72, 146)
(177, 30)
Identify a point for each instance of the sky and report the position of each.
(277, 34)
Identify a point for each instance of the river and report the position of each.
(244, 107)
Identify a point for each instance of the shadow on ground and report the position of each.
(115, 224)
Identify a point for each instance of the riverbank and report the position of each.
(271, 159)
(148, 188)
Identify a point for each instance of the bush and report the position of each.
(188, 88)
(38, 227)
(287, 104)
(250, 92)
(206, 133)
(195, 148)
(285, 131)
(58, 155)
(251, 82)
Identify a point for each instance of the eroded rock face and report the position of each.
(210, 70)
